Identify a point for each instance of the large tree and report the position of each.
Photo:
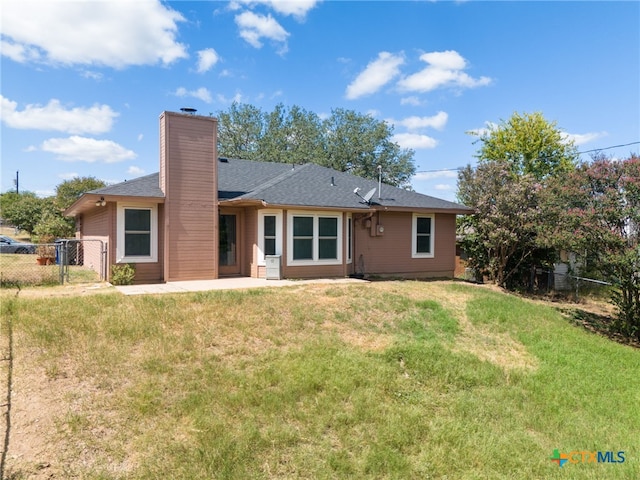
(69, 191)
(359, 144)
(515, 158)
(23, 210)
(240, 129)
(346, 141)
(43, 216)
(528, 144)
(595, 212)
(292, 136)
(501, 237)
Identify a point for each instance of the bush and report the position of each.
(123, 274)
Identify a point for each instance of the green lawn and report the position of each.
(23, 270)
(384, 380)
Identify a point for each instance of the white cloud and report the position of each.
(443, 187)
(140, 137)
(201, 93)
(92, 75)
(582, 138)
(82, 149)
(55, 117)
(377, 74)
(133, 170)
(296, 8)
(238, 98)
(436, 174)
(254, 27)
(413, 101)
(445, 69)
(207, 59)
(114, 33)
(414, 141)
(437, 121)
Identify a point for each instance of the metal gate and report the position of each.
(81, 260)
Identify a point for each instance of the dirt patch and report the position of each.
(497, 348)
(59, 426)
(364, 341)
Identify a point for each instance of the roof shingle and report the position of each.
(294, 185)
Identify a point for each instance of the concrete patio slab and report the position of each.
(222, 284)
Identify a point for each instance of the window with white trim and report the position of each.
(137, 234)
(314, 238)
(349, 238)
(423, 235)
(269, 234)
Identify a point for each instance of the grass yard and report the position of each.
(23, 270)
(384, 380)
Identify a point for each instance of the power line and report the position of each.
(608, 148)
(578, 153)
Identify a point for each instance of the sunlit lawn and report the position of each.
(382, 380)
(23, 270)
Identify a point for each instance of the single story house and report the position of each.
(204, 217)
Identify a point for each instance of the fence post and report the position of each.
(60, 259)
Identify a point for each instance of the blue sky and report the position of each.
(84, 82)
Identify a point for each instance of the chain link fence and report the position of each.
(65, 261)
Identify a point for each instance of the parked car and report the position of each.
(9, 245)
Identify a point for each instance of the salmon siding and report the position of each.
(203, 217)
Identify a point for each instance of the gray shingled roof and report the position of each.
(311, 185)
(147, 186)
(284, 184)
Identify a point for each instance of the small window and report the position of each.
(349, 238)
(269, 240)
(137, 236)
(137, 232)
(423, 236)
(269, 226)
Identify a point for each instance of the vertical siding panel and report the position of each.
(189, 169)
(94, 226)
(250, 253)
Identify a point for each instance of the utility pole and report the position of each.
(17, 182)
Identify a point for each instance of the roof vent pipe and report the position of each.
(333, 183)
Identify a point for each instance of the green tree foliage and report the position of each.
(501, 238)
(358, 144)
(528, 144)
(22, 210)
(239, 131)
(43, 216)
(70, 190)
(346, 141)
(595, 211)
(515, 159)
(291, 136)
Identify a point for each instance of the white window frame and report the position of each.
(261, 214)
(315, 249)
(120, 256)
(414, 236)
(349, 238)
